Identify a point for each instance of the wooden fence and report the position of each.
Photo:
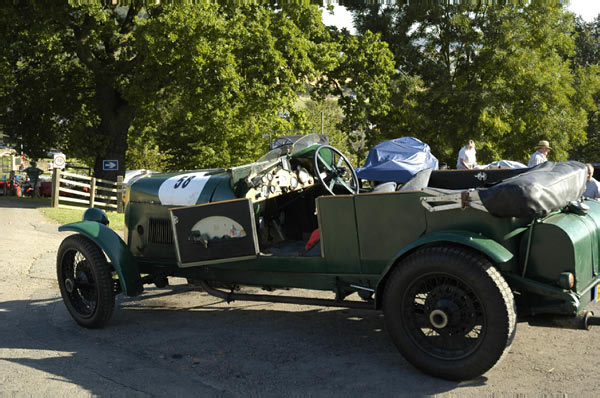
(70, 190)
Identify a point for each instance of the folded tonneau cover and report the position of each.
(544, 188)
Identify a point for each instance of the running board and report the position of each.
(229, 297)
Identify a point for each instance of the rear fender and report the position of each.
(488, 247)
(117, 251)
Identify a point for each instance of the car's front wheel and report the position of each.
(449, 312)
(85, 281)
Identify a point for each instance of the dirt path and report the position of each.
(191, 344)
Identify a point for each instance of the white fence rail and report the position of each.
(70, 190)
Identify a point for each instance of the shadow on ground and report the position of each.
(23, 203)
(198, 345)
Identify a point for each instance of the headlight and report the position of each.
(566, 280)
(95, 214)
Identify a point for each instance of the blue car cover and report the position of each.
(397, 160)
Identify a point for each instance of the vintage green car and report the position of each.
(450, 274)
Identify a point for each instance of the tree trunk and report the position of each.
(116, 116)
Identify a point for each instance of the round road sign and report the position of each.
(59, 160)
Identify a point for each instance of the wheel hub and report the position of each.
(84, 284)
(69, 285)
(447, 309)
(438, 319)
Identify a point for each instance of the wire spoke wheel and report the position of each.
(85, 281)
(79, 283)
(443, 316)
(449, 312)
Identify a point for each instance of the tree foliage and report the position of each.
(172, 86)
(221, 81)
(362, 82)
(332, 116)
(497, 74)
(199, 84)
(586, 64)
(71, 67)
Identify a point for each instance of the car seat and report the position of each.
(385, 187)
(417, 182)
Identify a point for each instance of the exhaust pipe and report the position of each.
(582, 321)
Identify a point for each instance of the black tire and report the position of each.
(85, 281)
(449, 312)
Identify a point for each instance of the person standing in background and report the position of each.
(539, 156)
(33, 173)
(592, 186)
(466, 156)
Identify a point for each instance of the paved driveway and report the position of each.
(181, 342)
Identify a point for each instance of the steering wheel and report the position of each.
(333, 168)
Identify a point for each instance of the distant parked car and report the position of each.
(13, 188)
(45, 188)
(505, 164)
(52, 151)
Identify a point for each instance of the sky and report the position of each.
(587, 9)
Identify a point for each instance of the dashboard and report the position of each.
(277, 181)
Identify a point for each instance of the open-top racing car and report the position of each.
(450, 268)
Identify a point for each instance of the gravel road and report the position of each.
(181, 342)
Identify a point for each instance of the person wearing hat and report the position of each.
(466, 156)
(539, 156)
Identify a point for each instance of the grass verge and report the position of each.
(66, 216)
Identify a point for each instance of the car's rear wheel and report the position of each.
(449, 312)
(85, 281)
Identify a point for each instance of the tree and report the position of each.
(361, 80)
(221, 81)
(497, 74)
(332, 117)
(199, 83)
(586, 65)
(71, 67)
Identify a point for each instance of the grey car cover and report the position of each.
(544, 188)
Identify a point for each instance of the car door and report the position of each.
(214, 233)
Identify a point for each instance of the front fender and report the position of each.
(489, 247)
(117, 251)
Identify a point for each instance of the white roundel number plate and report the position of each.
(182, 189)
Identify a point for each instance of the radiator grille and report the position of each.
(160, 231)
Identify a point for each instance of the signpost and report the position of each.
(110, 165)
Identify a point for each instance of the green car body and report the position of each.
(361, 243)
(364, 238)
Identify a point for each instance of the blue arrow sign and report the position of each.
(110, 165)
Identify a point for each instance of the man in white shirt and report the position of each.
(539, 156)
(592, 186)
(466, 156)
